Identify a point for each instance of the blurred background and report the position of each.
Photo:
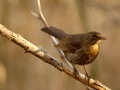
(20, 71)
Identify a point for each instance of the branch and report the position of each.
(42, 18)
(43, 55)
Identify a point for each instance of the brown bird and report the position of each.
(79, 49)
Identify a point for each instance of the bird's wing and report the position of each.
(83, 58)
(66, 47)
(78, 57)
(75, 42)
(69, 44)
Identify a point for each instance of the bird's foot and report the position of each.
(87, 76)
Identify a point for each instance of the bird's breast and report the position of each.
(95, 48)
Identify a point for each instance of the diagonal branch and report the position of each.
(82, 77)
(42, 18)
(43, 55)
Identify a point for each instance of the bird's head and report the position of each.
(94, 37)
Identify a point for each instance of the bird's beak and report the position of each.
(102, 38)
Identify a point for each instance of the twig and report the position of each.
(42, 18)
(43, 55)
(41, 14)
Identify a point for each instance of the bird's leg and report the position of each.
(75, 71)
(86, 72)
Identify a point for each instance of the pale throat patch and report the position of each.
(98, 42)
(95, 46)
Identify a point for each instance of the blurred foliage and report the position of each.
(20, 71)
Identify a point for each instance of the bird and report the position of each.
(81, 49)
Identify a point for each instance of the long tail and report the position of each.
(57, 33)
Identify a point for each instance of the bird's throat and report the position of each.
(95, 47)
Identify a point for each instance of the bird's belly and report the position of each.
(92, 57)
(84, 56)
(90, 53)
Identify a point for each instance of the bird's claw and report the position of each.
(87, 76)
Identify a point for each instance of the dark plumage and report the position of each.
(79, 49)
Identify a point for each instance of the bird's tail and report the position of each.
(57, 33)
